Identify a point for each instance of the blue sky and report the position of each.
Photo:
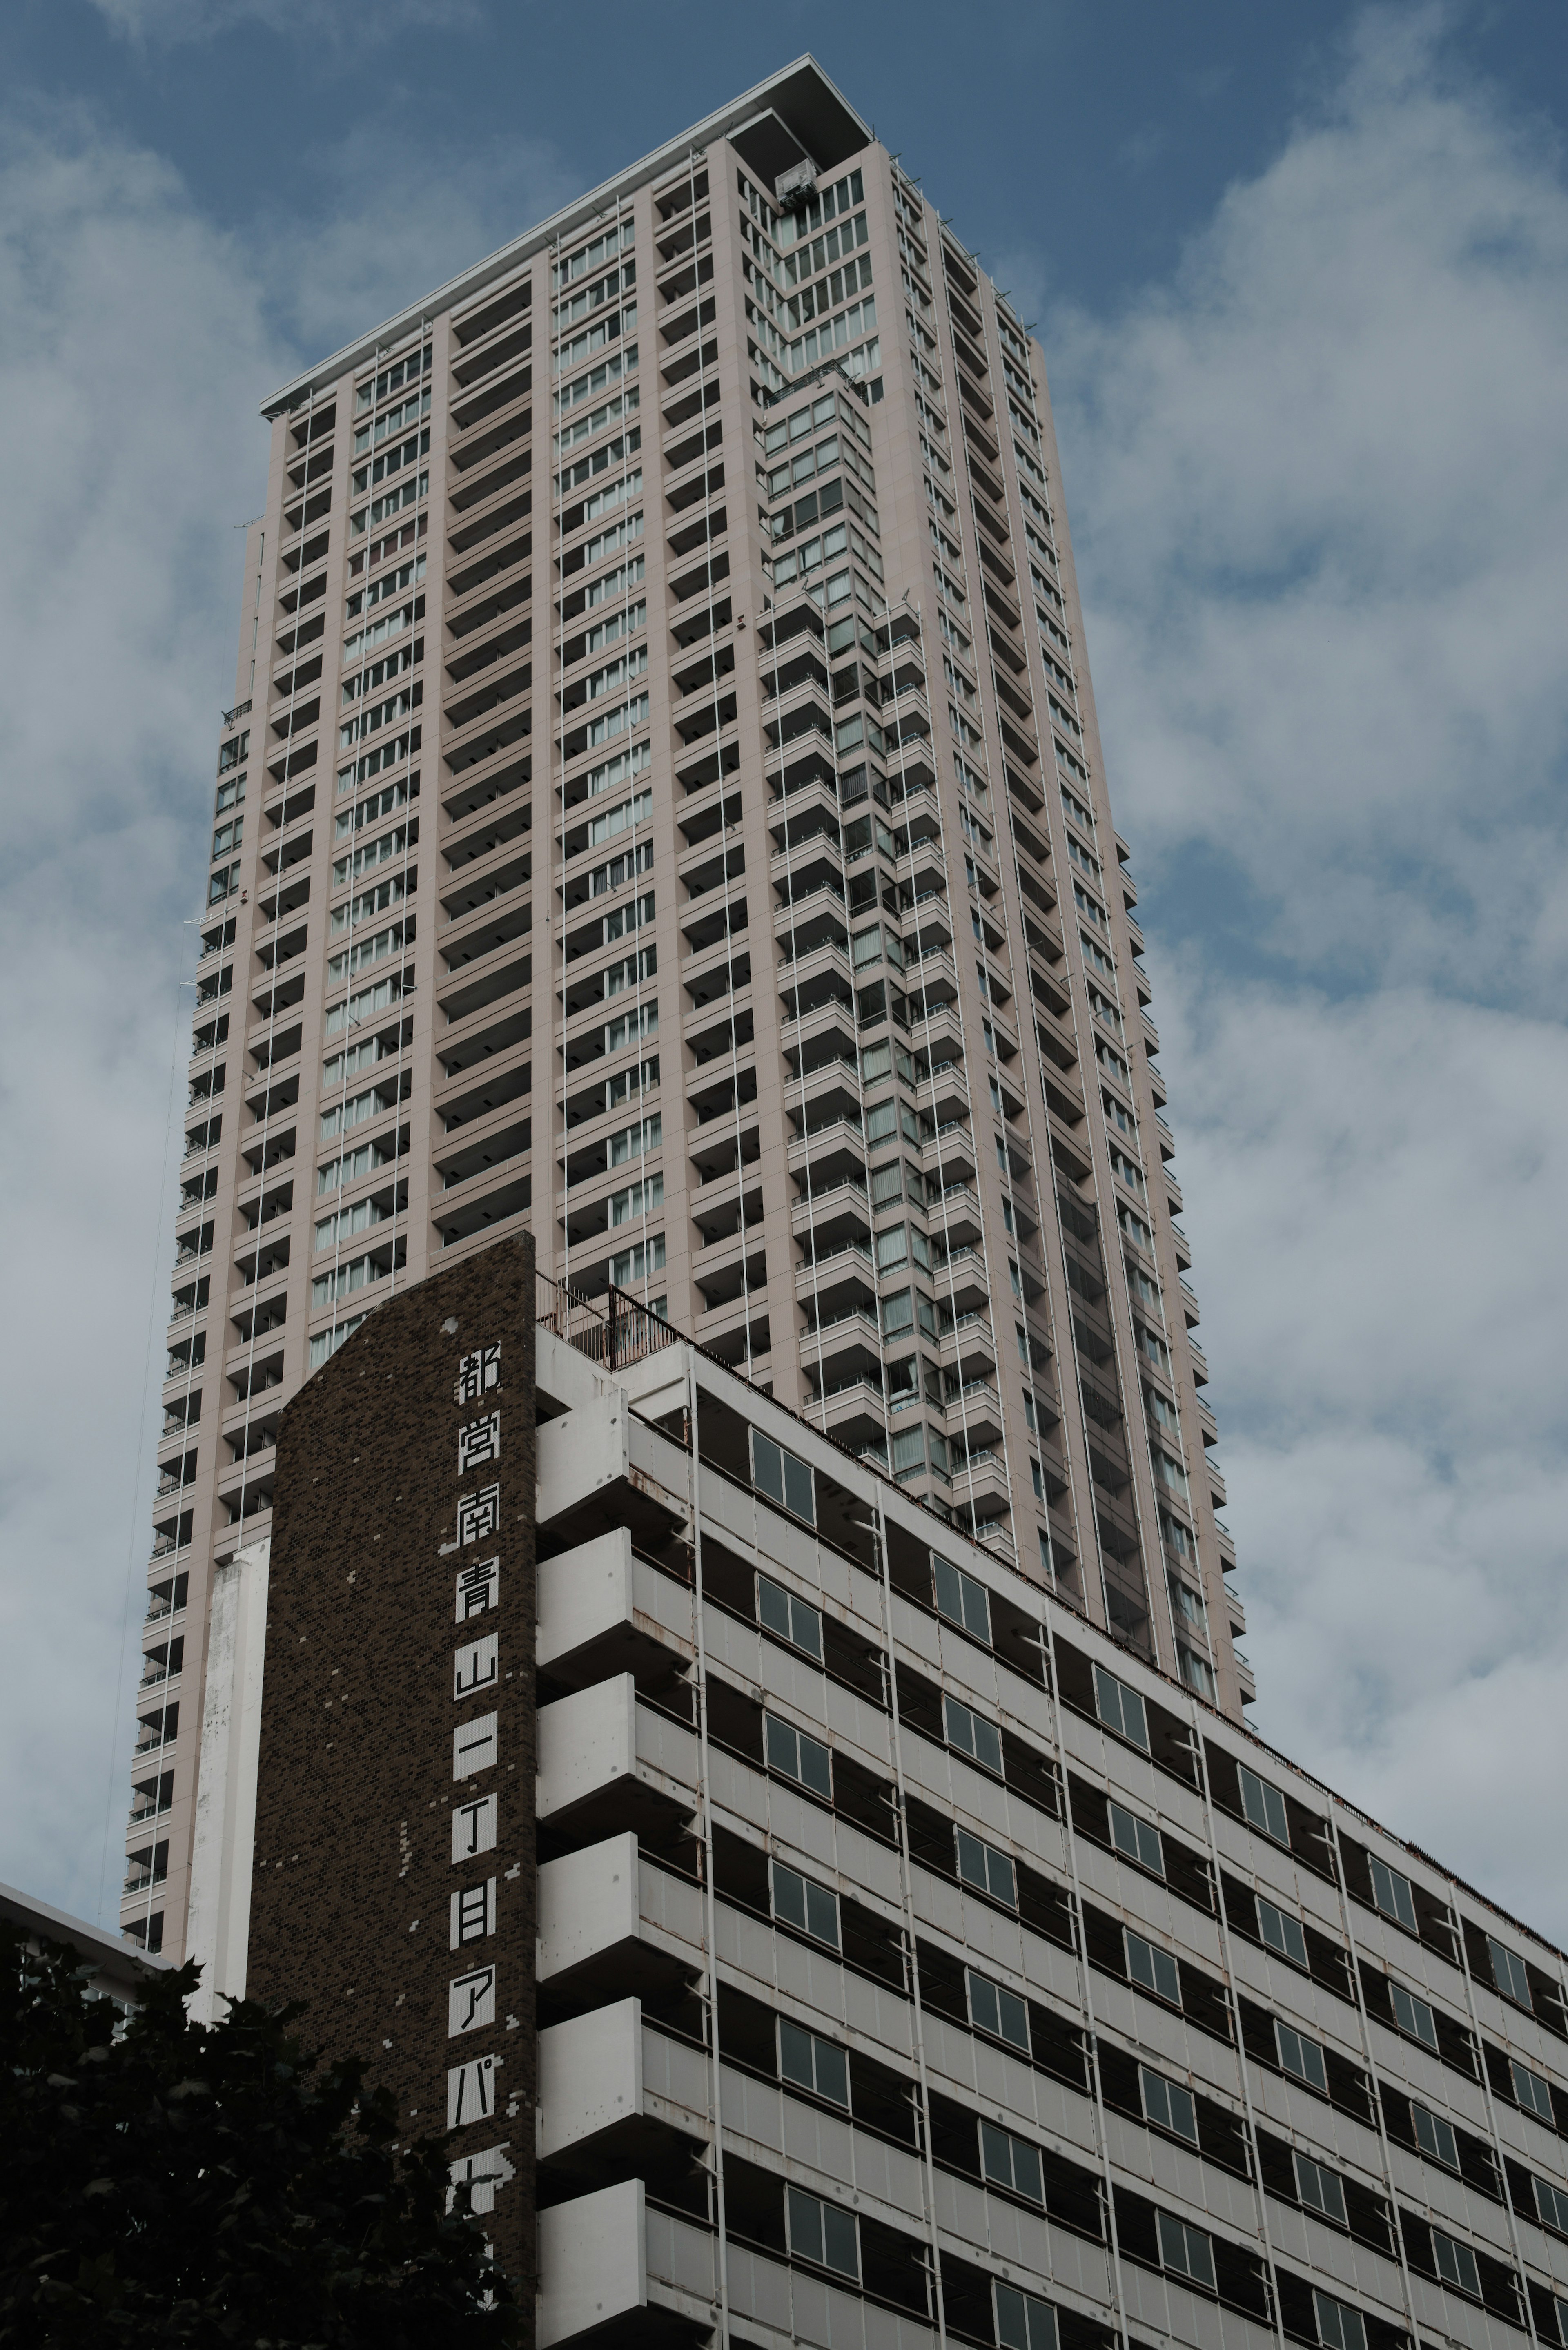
(1301, 278)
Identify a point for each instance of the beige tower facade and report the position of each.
(664, 810)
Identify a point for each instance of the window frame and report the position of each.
(967, 1584)
(1341, 2336)
(1169, 2227)
(797, 2196)
(993, 2133)
(1140, 1830)
(780, 1734)
(1280, 1835)
(999, 1992)
(1132, 1941)
(816, 2043)
(1319, 2172)
(1418, 2007)
(1530, 2105)
(951, 1705)
(777, 1868)
(1287, 1919)
(1169, 2090)
(762, 1445)
(1303, 2040)
(962, 1836)
(1116, 1723)
(792, 1604)
(1512, 1966)
(1377, 1868)
(1438, 2124)
(1022, 2332)
(1461, 2252)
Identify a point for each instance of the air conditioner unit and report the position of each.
(791, 188)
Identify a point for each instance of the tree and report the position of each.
(163, 2182)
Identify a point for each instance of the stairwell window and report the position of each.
(1413, 2016)
(1186, 2252)
(1022, 2322)
(961, 1599)
(811, 1909)
(974, 1735)
(1168, 2104)
(822, 2233)
(1137, 1840)
(1532, 2092)
(1434, 2136)
(1281, 1933)
(798, 1757)
(1339, 2327)
(1011, 2162)
(1301, 2056)
(794, 1620)
(1391, 1893)
(1508, 1973)
(813, 2064)
(988, 1870)
(1456, 2263)
(783, 1478)
(1263, 1806)
(997, 2011)
(1151, 1968)
(1121, 1709)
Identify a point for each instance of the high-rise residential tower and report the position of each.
(664, 810)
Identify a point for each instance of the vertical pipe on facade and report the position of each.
(907, 1891)
(705, 1813)
(1363, 2026)
(1086, 1985)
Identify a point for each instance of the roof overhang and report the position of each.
(793, 113)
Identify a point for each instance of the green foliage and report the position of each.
(214, 2185)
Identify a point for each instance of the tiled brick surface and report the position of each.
(354, 1873)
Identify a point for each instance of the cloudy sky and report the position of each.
(1302, 277)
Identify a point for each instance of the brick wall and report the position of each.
(359, 1808)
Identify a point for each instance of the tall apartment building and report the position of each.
(811, 1928)
(664, 810)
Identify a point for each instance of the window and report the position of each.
(1322, 2191)
(813, 2064)
(1391, 1893)
(1153, 1968)
(1263, 1806)
(1413, 2016)
(1434, 2136)
(1187, 2251)
(1551, 2206)
(974, 1735)
(1168, 2104)
(1339, 2327)
(1532, 2092)
(793, 1620)
(961, 1599)
(783, 1478)
(1120, 1709)
(822, 2232)
(1508, 1973)
(798, 1756)
(1137, 1840)
(1009, 2161)
(989, 1871)
(1024, 2324)
(1000, 2013)
(1301, 2056)
(1281, 1933)
(1559, 2307)
(1456, 2263)
(811, 1909)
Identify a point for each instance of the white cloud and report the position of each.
(1321, 501)
(131, 351)
(1321, 511)
(169, 22)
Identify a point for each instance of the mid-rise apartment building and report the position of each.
(664, 810)
(814, 1929)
